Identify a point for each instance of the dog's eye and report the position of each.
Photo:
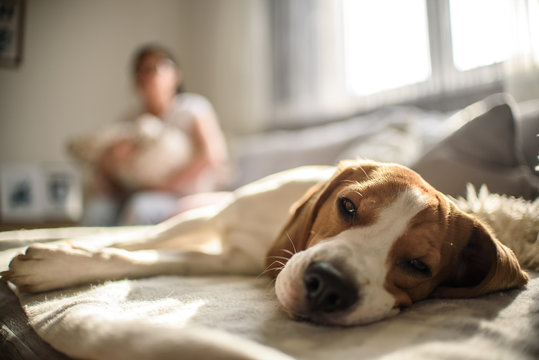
(347, 208)
(419, 267)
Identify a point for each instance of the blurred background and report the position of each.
(265, 65)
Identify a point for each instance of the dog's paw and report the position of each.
(46, 267)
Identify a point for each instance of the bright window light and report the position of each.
(386, 44)
(481, 32)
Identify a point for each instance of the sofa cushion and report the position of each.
(484, 150)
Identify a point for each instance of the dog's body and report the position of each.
(245, 226)
(363, 240)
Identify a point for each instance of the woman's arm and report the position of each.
(210, 153)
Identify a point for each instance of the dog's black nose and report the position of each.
(327, 289)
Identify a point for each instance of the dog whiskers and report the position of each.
(354, 182)
(284, 259)
(276, 261)
(364, 172)
(279, 268)
(271, 268)
(291, 242)
(288, 252)
(279, 257)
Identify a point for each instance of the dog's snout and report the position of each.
(327, 289)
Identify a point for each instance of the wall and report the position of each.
(74, 76)
(226, 59)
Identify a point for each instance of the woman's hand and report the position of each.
(119, 153)
(116, 155)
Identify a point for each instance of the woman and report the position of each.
(158, 81)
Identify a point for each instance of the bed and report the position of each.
(160, 316)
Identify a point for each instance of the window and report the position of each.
(386, 44)
(479, 37)
(418, 44)
(347, 56)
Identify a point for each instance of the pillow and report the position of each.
(484, 150)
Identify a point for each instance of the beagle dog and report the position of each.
(364, 240)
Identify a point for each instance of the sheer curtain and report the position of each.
(307, 58)
(522, 68)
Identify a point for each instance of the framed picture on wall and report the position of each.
(11, 32)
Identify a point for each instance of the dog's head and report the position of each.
(375, 238)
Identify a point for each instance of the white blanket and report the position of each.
(238, 317)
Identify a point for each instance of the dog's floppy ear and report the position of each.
(296, 232)
(483, 265)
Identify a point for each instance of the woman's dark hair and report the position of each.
(149, 49)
